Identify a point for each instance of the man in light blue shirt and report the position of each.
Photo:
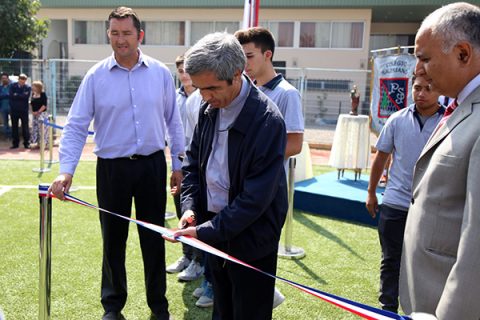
(404, 135)
(131, 98)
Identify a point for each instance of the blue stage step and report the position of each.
(342, 198)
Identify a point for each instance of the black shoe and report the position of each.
(14, 147)
(390, 308)
(27, 146)
(155, 317)
(112, 315)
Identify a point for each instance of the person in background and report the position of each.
(131, 98)
(5, 104)
(441, 249)
(39, 112)
(259, 46)
(403, 137)
(234, 194)
(19, 104)
(190, 264)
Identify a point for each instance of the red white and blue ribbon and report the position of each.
(362, 310)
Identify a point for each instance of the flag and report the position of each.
(250, 13)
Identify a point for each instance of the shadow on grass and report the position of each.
(309, 223)
(309, 271)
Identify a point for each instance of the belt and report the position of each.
(141, 156)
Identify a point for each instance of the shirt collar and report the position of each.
(141, 60)
(472, 85)
(272, 84)
(413, 108)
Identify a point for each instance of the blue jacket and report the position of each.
(19, 97)
(249, 227)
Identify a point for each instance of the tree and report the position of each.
(21, 29)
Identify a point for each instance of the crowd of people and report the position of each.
(231, 127)
(16, 100)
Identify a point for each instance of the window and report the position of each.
(331, 34)
(90, 32)
(347, 35)
(282, 32)
(315, 34)
(201, 29)
(166, 33)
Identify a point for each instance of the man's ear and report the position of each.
(140, 36)
(464, 52)
(268, 55)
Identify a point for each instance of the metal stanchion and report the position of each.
(45, 252)
(42, 149)
(50, 141)
(288, 251)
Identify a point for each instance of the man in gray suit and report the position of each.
(441, 254)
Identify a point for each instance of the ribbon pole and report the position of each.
(288, 251)
(42, 148)
(45, 252)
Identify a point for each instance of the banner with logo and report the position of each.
(391, 89)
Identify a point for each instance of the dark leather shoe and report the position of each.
(13, 147)
(155, 317)
(112, 315)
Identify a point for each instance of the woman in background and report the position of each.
(39, 112)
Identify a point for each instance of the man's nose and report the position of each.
(419, 69)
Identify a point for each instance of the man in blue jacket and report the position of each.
(19, 102)
(234, 185)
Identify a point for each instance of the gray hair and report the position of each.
(218, 52)
(453, 23)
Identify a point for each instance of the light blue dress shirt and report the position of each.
(134, 112)
(217, 175)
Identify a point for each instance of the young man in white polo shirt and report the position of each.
(259, 46)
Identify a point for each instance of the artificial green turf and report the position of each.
(342, 258)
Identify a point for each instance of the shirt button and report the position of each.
(138, 122)
(134, 105)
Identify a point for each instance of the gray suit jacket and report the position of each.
(440, 272)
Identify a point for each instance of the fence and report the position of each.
(325, 92)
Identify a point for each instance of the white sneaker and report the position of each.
(278, 298)
(206, 300)
(178, 265)
(192, 272)
(198, 292)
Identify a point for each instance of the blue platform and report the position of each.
(342, 198)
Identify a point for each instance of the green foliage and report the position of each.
(21, 30)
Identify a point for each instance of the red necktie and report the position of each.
(447, 114)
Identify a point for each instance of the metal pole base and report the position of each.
(52, 161)
(170, 215)
(41, 169)
(294, 253)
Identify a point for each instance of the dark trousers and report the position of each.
(118, 181)
(23, 117)
(241, 293)
(391, 227)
